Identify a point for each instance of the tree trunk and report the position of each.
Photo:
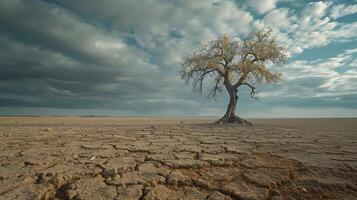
(230, 116)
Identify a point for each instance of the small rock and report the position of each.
(109, 172)
(92, 158)
(48, 130)
(28, 163)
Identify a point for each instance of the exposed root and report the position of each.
(233, 120)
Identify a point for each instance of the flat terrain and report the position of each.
(155, 158)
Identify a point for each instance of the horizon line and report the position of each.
(178, 116)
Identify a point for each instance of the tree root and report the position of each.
(233, 120)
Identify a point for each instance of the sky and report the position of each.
(122, 58)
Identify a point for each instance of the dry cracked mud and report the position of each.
(156, 159)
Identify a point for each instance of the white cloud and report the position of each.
(309, 28)
(193, 22)
(278, 18)
(262, 6)
(341, 10)
(316, 9)
(320, 78)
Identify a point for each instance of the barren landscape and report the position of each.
(157, 158)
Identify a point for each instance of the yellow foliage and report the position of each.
(225, 57)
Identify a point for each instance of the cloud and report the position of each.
(328, 82)
(341, 10)
(278, 18)
(310, 28)
(125, 55)
(315, 9)
(64, 62)
(166, 30)
(262, 6)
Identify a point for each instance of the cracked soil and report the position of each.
(156, 159)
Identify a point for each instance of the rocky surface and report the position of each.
(154, 159)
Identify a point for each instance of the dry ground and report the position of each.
(154, 158)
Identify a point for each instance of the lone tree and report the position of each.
(234, 63)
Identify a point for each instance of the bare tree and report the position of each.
(234, 63)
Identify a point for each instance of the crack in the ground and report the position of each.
(206, 160)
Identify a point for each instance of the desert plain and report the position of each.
(177, 158)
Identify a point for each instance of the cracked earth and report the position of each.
(156, 159)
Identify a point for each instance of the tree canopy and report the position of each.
(232, 63)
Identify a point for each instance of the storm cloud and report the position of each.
(123, 57)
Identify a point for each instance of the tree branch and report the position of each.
(240, 81)
(200, 79)
(253, 54)
(216, 89)
(252, 91)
